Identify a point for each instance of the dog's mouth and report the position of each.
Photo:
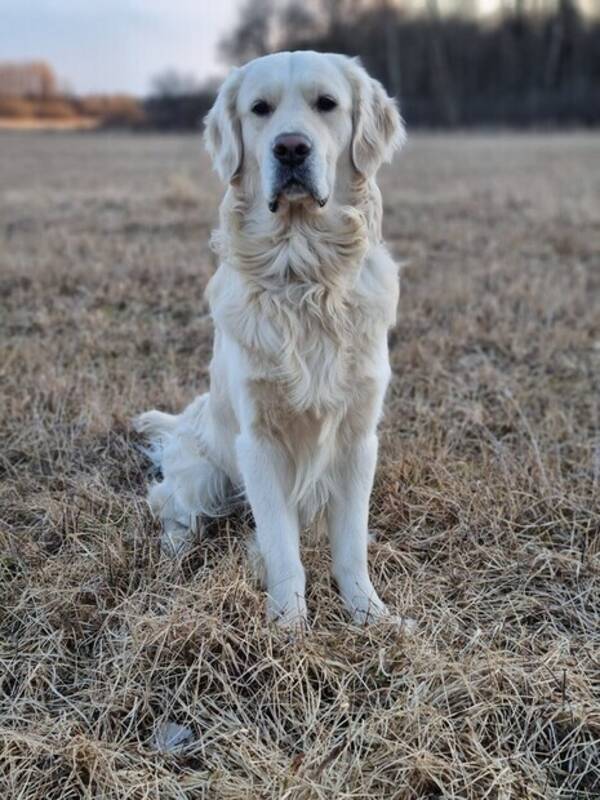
(293, 188)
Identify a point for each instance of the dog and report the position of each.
(302, 302)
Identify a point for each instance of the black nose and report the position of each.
(291, 148)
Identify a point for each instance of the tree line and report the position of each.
(536, 63)
(30, 91)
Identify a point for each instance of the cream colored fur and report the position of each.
(302, 302)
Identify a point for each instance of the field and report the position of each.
(485, 511)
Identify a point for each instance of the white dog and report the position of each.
(302, 301)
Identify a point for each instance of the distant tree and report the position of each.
(16, 107)
(253, 35)
(55, 108)
(298, 16)
(27, 79)
(177, 101)
(113, 111)
(172, 83)
(538, 61)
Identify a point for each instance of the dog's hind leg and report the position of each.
(192, 485)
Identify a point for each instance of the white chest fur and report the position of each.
(315, 363)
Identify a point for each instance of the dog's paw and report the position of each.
(293, 628)
(290, 615)
(176, 539)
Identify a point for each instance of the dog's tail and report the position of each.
(187, 484)
(157, 427)
(155, 424)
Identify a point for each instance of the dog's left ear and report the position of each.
(223, 130)
(378, 128)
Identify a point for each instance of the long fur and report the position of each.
(301, 303)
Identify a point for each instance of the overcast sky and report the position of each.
(120, 45)
(116, 45)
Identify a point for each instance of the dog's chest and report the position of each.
(319, 395)
(322, 351)
(321, 372)
(310, 358)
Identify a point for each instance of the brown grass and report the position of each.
(48, 124)
(485, 506)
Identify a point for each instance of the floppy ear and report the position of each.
(378, 127)
(223, 130)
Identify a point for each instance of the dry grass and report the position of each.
(485, 506)
(35, 124)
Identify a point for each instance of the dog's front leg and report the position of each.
(277, 528)
(347, 520)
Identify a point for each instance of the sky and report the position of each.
(120, 45)
(116, 45)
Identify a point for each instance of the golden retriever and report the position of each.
(302, 302)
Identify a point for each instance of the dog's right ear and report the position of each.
(223, 130)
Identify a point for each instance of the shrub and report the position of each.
(16, 107)
(54, 108)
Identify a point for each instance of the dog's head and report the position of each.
(297, 127)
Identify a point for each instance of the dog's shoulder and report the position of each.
(377, 289)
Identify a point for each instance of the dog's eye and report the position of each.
(261, 108)
(325, 103)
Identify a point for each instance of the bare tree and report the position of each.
(538, 61)
(29, 79)
(172, 83)
(253, 35)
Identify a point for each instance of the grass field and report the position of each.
(486, 505)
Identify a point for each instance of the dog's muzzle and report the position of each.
(293, 177)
